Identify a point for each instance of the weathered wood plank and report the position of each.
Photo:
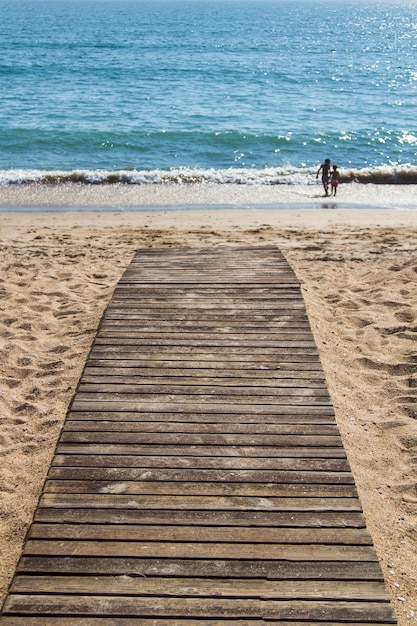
(197, 291)
(277, 519)
(190, 550)
(200, 427)
(206, 359)
(208, 396)
(185, 303)
(106, 378)
(224, 450)
(214, 414)
(172, 354)
(140, 621)
(221, 608)
(296, 319)
(202, 439)
(217, 346)
(102, 462)
(185, 387)
(210, 307)
(255, 412)
(291, 375)
(144, 487)
(182, 502)
(223, 568)
(202, 587)
(137, 338)
(200, 475)
(183, 533)
(257, 363)
(296, 330)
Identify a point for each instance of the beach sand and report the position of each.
(358, 274)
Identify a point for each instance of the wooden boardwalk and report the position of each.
(200, 477)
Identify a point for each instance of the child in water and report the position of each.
(334, 180)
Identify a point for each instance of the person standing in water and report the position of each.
(325, 174)
(334, 180)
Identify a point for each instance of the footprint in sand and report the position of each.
(50, 369)
(398, 369)
(46, 425)
(394, 330)
(391, 304)
(34, 394)
(25, 407)
(59, 314)
(360, 323)
(405, 316)
(59, 349)
(40, 308)
(409, 443)
(57, 294)
(349, 305)
(26, 326)
(408, 492)
(8, 321)
(333, 298)
(24, 361)
(392, 424)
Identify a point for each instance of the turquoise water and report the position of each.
(228, 91)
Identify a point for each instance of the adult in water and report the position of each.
(325, 174)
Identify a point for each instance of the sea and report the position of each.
(221, 91)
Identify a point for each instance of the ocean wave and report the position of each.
(406, 175)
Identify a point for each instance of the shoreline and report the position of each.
(357, 269)
(126, 196)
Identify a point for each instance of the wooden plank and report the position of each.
(200, 427)
(153, 396)
(206, 568)
(206, 489)
(195, 550)
(277, 519)
(221, 608)
(216, 294)
(211, 318)
(209, 307)
(189, 450)
(178, 389)
(101, 462)
(217, 370)
(207, 503)
(123, 322)
(215, 415)
(140, 621)
(244, 384)
(203, 587)
(200, 477)
(184, 533)
(194, 346)
(233, 475)
(257, 412)
(203, 439)
(137, 337)
(310, 362)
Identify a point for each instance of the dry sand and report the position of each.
(358, 271)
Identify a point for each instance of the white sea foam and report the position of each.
(241, 176)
